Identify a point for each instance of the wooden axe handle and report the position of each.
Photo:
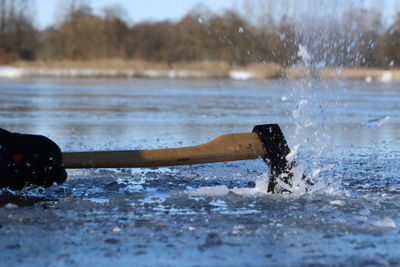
(230, 147)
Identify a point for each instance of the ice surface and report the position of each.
(151, 216)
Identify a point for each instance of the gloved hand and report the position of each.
(29, 160)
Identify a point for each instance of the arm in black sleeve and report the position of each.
(35, 160)
(3, 134)
(30, 144)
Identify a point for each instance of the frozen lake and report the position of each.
(348, 134)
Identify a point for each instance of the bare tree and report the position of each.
(18, 37)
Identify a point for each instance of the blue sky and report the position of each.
(47, 11)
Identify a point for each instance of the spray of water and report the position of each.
(318, 46)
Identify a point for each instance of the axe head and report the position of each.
(276, 149)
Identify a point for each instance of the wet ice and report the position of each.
(214, 213)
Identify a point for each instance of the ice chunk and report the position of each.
(375, 123)
(284, 98)
(191, 228)
(385, 223)
(116, 229)
(293, 153)
(10, 206)
(219, 190)
(261, 187)
(337, 202)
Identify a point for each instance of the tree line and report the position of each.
(360, 39)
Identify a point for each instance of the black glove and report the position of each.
(29, 160)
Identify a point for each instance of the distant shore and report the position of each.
(190, 70)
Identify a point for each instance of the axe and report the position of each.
(265, 141)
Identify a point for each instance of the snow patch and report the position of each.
(241, 75)
(10, 72)
(387, 76)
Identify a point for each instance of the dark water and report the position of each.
(347, 136)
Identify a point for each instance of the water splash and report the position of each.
(304, 54)
(311, 132)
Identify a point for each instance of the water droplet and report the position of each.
(303, 53)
